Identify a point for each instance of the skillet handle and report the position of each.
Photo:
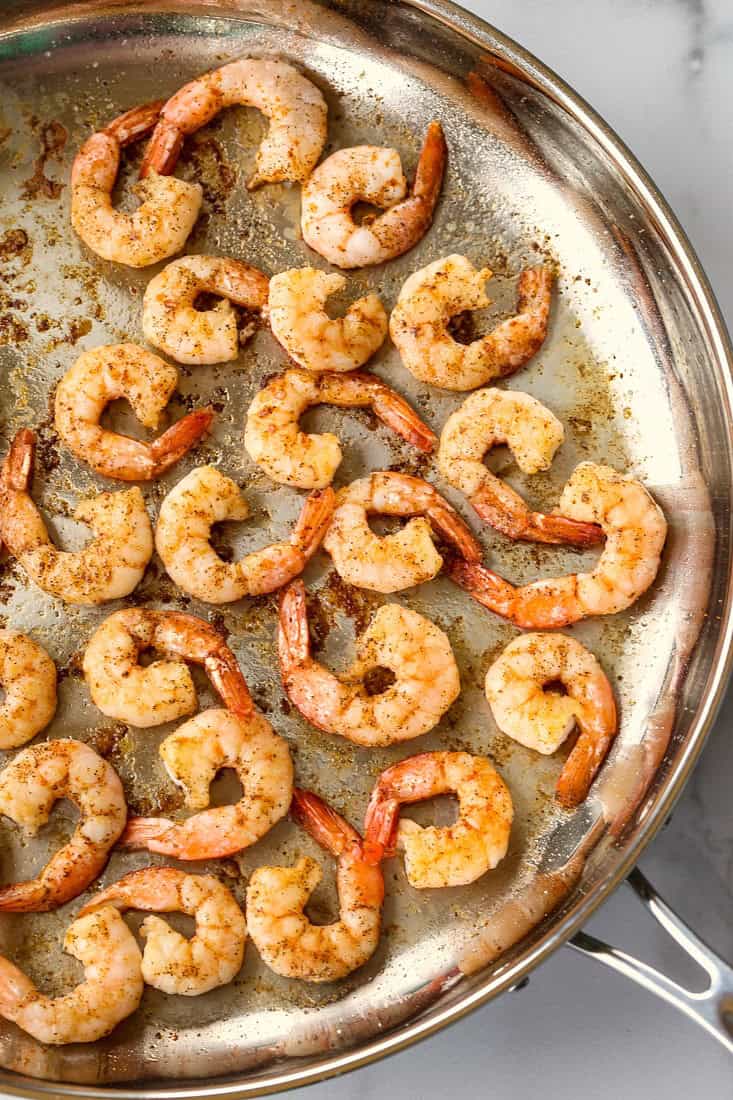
(712, 1008)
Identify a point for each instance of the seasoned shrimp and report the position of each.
(277, 896)
(542, 719)
(416, 651)
(28, 679)
(193, 755)
(160, 225)
(205, 497)
(486, 419)
(453, 855)
(171, 962)
(274, 441)
(407, 557)
(294, 106)
(29, 786)
(162, 691)
(296, 308)
(432, 296)
(171, 321)
(635, 531)
(370, 173)
(147, 382)
(108, 567)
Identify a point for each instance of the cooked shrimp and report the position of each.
(29, 786)
(171, 962)
(432, 296)
(294, 106)
(453, 855)
(407, 557)
(635, 530)
(369, 173)
(28, 679)
(274, 441)
(147, 382)
(193, 755)
(486, 419)
(162, 691)
(160, 225)
(277, 896)
(111, 989)
(171, 321)
(542, 719)
(108, 567)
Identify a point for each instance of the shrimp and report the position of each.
(171, 962)
(317, 342)
(416, 651)
(432, 296)
(212, 740)
(108, 567)
(635, 530)
(293, 457)
(542, 719)
(406, 557)
(276, 898)
(205, 497)
(453, 855)
(171, 321)
(28, 679)
(486, 419)
(162, 691)
(160, 225)
(123, 370)
(370, 173)
(29, 786)
(294, 106)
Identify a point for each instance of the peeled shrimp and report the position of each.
(29, 786)
(432, 296)
(171, 962)
(453, 855)
(160, 225)
(292, 457)
(542, 719)
(369, 173)
(405, 558)
(276, 898)
(109, 566)
(205, 497)
(193, 755)
(171, 321)
(28, 679)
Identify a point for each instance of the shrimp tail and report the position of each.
(449, 524)
(17, 469)
(27, 897)
(135, 123)
(484, 585)
(313, 521)
(163, 150)
(380, 827)
(430, 167)
(226, 676)
(179, 438)
(395, 412)
(521, 523)
(146, 834)
(293, 639)
(329, 828)
(584, 761)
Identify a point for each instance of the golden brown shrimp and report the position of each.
(28, 679)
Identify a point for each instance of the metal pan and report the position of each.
(637, 365)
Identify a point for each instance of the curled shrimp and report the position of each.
(491, 417)
(29, 786)
(635, 530)
(276, 898)
(108, 567)
(162, 691)
(370, 173)
(432, 296)
(123, 370)
(292, 457)
(390, 563)
(28, 679)
(416, 651)
(453, 855)
(317, 342)
(171, 962)
(160, 225)
(171, 321)
(542, 720)
(212, 740)
(205, 497)
(294, 106)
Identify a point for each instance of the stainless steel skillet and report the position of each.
(638, 367)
